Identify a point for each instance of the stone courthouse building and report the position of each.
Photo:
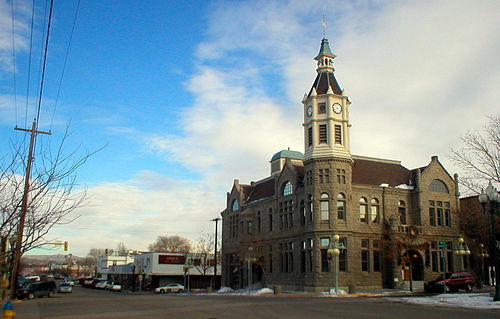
(277, 231)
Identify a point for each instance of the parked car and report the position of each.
(38, 289)
(116, 286)
(65, 288)
(101, 284)
(70, 281)
(32, 278)
(451, 282)
(170, 288)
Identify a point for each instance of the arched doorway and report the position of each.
(414, 261)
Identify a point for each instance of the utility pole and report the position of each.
(24, 209)
(216, 220)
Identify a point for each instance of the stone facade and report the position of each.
(277, 231)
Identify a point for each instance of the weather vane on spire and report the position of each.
(323, 24)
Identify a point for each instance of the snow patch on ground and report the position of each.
(224, 290)
(333, 293)
(473, 300)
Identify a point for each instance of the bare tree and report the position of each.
(479, 157)
(204, 248)
(97, 252)
(172, 244)
(122, 249)
(53, 192)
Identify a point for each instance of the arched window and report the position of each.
(363, 210)
(438, 186)
(374, 211)
(341, 212)
(324, 207)
(402, 212)
(287, 189)
(235, 205)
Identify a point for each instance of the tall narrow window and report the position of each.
(322, 134)
(258, 222)
(270, 219)
(310, 136)
(341, 206)
(338, 134)
(302, 213)
(374, 211)
(363, 210)
(402, 212)
(310, 207)
(365, 260)
(324, 207)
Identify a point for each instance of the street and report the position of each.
(90, 303)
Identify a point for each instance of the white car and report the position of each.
(116, 286)
(101, 284)
(170, 288)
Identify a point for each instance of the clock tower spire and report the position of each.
(326, 112)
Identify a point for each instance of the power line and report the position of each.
(44, 62)
(64, 66)
(14, 58)
(29, 63)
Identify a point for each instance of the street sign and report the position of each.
(443, 244)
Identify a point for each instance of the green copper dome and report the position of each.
(288, 154)
(324, 50)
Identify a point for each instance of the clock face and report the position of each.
(309, 111)
(337, 108)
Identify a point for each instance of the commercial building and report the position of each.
(394, 223)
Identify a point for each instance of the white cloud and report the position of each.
(419, 73)
(21, 28)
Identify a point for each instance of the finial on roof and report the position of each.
(324, 25)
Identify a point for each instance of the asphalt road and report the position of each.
(89, 303)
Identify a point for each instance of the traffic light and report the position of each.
(65, 246)
(105, 252)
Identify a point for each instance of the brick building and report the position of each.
(277, 231)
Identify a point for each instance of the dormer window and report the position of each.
(288, 189)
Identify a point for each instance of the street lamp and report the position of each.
(462, 250)
(490, 195)
(334, 251)
(250, 260)
(483, 253)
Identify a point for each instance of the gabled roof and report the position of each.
(375, 172)
(261, 190)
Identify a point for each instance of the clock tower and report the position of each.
(326, 112)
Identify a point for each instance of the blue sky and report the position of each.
(188, 96)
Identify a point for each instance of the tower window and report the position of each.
(363, 210)
(338, 134)
(321, 108)
(310, 136)
(322, 134)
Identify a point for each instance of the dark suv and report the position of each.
(452, 281)
(37, 289)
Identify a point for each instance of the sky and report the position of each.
(185, 97)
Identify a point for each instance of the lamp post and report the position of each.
(462, 250)
(483, 253)
(334, 251)
(490, 195)
(250, 260)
